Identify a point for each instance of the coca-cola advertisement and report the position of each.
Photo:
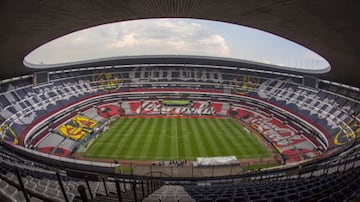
(195, 108)
(287, 140)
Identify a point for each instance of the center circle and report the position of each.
(179, 133)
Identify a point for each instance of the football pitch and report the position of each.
(175, 139)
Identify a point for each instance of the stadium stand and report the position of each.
(320, 150)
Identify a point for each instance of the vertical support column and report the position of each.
(192, 170)
(22, 187)
(338, 165)
(152, 186)
(159, 183)
(312, 172)
(61, 186)
(134, 189)
(147, 187)
(117, 184)
(142, 189)
(151, 173)
(88, 186)
(106, 190)
(160, 102)
(124, 184)
(141, 106)
(346, 162)
(327, 168)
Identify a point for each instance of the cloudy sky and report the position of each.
(176, 37)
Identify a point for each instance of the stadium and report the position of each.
(180, 127)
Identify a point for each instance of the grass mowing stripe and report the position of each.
(104, 140)
(156, 137)
(185, 140)
(227, 146)
(212, 137)
(211, 147)
(141, 138)
(123, 127)
(231, 138)
(247, 148)
(181, 138)
(231, 135)
(192, 140)
(257, 147)
(162, 144)
(212, 134)
(147, 143)
(168, 148)
(175, 138)
(132, 142)
(260, 147)
(126, 136)
(198, 143)
(108, 134)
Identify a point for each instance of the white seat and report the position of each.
(18, 197)
(34, 199)
(10, 190)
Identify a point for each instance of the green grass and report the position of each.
(255, 167)
(123, 169)
(175, 138)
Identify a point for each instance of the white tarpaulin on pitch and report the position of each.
(220, 160)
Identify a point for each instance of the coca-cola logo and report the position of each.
(152, 107)
(281, 136)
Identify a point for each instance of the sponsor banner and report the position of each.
(197, 108)
(215, 161)
(276, 132)
(284, 138)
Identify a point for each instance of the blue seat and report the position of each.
(240, 199)
(223, 200)
(326, 199)
(338, 196)
(278, 199)
(292, 196)
(347, 192)
(205, 200)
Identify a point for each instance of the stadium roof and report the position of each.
(329, 28)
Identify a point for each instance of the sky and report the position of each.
(176, 37)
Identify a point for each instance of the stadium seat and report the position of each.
(40, 189)
(34, 199)
(3, 185)
(18, 197)
(80, 86)
(10, 190)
